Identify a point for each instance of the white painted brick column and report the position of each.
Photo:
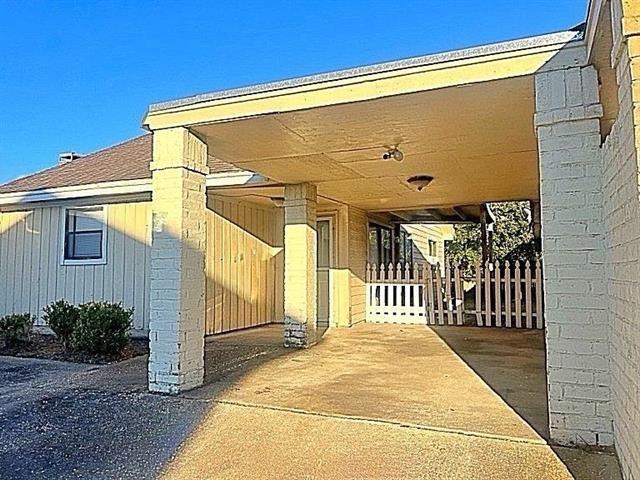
(176, 328)
(300, 258)
(577, 333)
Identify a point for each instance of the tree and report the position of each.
(512, 237)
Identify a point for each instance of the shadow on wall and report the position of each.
(244, 266)
(34, 272)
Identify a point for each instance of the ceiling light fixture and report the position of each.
(419, 182)
(394, 153)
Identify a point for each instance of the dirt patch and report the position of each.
(47, 347)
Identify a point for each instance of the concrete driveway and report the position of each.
(371, 402)
(68, 421)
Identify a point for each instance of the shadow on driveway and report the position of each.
(62, 420)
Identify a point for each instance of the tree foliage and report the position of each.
(512, 237)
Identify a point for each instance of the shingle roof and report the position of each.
(128, 160)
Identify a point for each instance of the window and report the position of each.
(324, 243)
(433, 248)
(84, 235)
(380, 245)
(404, 246)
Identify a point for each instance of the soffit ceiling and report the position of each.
(477, 141)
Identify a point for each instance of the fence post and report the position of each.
(527, 293)
(507, 293)
(459, 297)
(368, 312)
(539, 307)
(447, 290)
(439, 294)
(487, 295)
(479, 322)
(498, 294)
(432, 303)
(518, 292)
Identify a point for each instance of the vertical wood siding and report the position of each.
(245, 265)
(32, 276)
(420, 236)
(358, 240)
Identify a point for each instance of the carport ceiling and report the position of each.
(477, 141)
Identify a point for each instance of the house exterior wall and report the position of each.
(244, 265)
(621, 156)
(33, 275)
(357, 245)
(420, 236)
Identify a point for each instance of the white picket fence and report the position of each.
(508, 295)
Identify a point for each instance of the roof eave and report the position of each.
(557, 38)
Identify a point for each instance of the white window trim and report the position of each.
(63, 230)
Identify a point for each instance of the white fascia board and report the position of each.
(124, 187)
(235, 179)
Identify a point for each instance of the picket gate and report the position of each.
(507, 295)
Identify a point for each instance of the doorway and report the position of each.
(325, 240)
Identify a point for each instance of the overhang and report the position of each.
(464, 118)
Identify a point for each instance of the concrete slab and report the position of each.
(236, 442)
(408, 374)
(382, 401)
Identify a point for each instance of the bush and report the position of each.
(16, 327)
(62, 318)
(102, 327)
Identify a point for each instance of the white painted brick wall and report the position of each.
(622, 225)
(568, 129)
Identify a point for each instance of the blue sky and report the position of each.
(78, 75)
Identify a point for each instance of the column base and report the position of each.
(297, 335)
(174, 384)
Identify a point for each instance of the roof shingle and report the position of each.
(128, 160)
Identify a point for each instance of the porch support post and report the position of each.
(176, 328)
(571, 185)
(300, 258)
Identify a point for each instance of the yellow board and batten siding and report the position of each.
(244, 265)
(33, 276)
(358, 240)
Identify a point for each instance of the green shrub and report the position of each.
(15, 327)
(62, 318)
(102, 327)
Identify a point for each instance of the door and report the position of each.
(323, 273)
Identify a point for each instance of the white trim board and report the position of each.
(63, 238)
(77, 191)
(123, 187)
